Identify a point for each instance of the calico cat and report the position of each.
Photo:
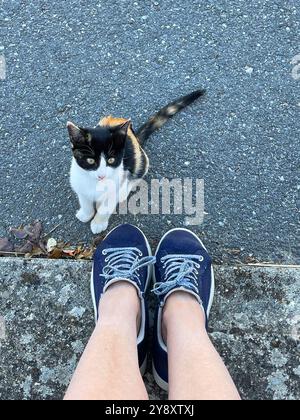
(111, 153)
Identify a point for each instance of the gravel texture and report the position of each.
(46, 319)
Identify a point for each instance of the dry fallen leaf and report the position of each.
(85, 254)
(51, 244)
(6, 245)
(56, 253)
(36, 252)
(34, 244)
(42, 245)
(19, 233)
(70, 252)
(34, 231)
(26, 248)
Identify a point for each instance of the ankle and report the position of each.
(182, 310)
(120, 303)
(181, 302)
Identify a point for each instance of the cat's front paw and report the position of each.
(97, 227)
(83, 216)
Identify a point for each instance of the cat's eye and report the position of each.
(111, 161)
(90, 161)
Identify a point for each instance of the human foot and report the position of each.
(124, 256)
(183, 267)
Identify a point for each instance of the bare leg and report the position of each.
(108, 369)
(196, 371)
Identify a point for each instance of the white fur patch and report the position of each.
(86, 183)
(93, 194)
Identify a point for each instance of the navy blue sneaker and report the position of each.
(182, 263)
(125, 255)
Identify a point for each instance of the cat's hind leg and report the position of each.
(126, 189)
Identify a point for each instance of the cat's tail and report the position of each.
(166, 113)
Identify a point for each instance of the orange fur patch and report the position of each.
(111, 121)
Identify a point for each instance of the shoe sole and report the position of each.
(160, 382)
(150, 273)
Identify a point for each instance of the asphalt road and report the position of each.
(81, 60)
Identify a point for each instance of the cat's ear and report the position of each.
(77, 134)
(120, 133)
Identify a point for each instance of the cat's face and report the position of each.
(99, 150)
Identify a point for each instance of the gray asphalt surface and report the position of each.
(81, 60)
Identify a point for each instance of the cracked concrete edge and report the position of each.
(46, 319)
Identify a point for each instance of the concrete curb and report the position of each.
(46, 319)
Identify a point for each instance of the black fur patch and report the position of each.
(166, 113)
(95, 142)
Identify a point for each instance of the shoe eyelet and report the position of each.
(106, 259)
(201, 259)
(140, 253)
(104, 252)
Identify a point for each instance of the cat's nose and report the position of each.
(101, 178)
